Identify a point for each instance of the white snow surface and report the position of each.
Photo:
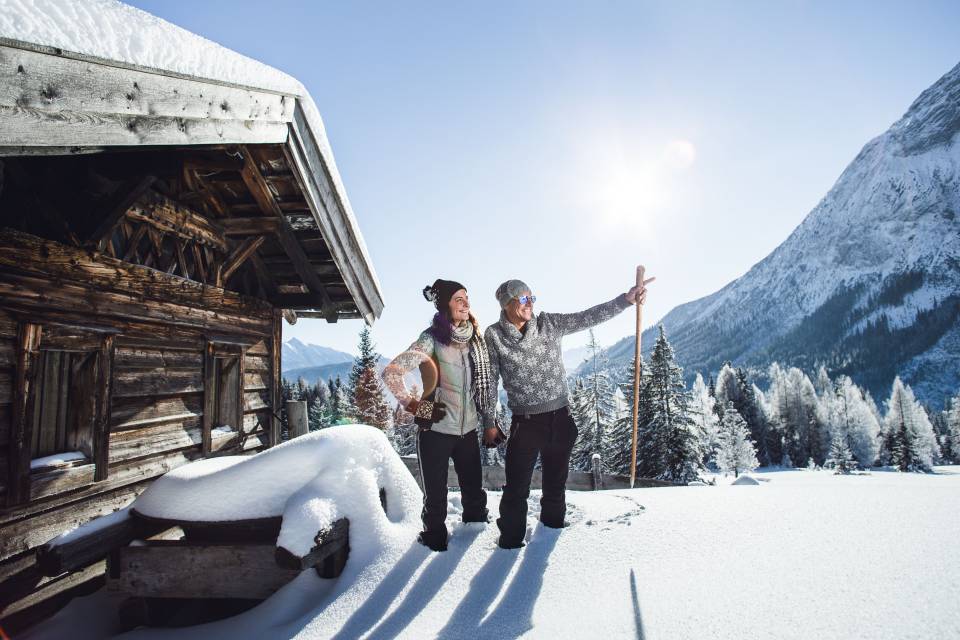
(745, 481)
(811, 555)
(57, 458)
(311, 481)
(92, 527)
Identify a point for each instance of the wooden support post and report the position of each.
(297, 418)
(597, 469)
(276, 348)
(209, 397)
(18, 462)
(104, 401)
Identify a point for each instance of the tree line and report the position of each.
(722, 424)
(729, 424)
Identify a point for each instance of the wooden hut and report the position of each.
(155, 229)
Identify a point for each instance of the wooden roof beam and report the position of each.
(237, 257)
(285, 236)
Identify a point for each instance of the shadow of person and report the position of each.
(383, 596)
(513, 615)
(483, 590)
(637, 618)
(427, 584)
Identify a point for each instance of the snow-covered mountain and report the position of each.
(868, 284)
(299, 355)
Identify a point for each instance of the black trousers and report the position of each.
(434, 451)
(551, 436)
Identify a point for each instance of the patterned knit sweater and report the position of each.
(531, 363)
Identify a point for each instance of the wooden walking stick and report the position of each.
(636, 381)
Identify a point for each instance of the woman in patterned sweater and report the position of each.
(453, 361)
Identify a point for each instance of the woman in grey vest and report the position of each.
(453, 361)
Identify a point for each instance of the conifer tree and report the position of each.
(850, 417)
(670, 448)
(952, 420)
(736, 451)
(372, 407)
(594, 409)
(840, 457)
(704, 418)
(908, 439)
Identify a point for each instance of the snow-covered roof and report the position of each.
(111, 30)
(100, 74)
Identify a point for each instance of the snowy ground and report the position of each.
(804, 554)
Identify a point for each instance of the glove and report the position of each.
(428, 413)
(496, 440)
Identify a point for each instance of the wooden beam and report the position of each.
(18, 460)
(343, 315)
(54, 559)
(276, 349)
(209, 397)
(31, 127)
(257, 226)
(64, 273)
(307, 301)
(238, 257)
(285, 235)
(126, 195)
(327, 542)
(104, 401)
(178, 569)
(169, 216)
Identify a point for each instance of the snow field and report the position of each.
(803, 554)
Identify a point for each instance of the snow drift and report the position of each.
(310, 481)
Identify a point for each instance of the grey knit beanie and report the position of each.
(510, 290)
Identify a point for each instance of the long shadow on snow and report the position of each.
(427, 585)
(513, 616)
(637, 618)
(383, 596)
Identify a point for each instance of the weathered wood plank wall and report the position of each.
(158, 327)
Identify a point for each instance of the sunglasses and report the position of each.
(525, 299)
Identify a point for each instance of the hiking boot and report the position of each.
(554, 525)
(434, 541)
(507, 544)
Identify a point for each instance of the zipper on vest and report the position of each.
(463, 392)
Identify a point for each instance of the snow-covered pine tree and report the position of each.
(582, 415)
(671, 450)
(340, 410)
(705, 419)
(908, 438)
(372, 407)
(796, 413)
(594, 411)
(736, 451)
(364, 368)
(952, 419)
(840, 457)
(852, 419)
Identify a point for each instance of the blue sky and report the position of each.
(564, 143)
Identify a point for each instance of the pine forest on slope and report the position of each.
(868, 285)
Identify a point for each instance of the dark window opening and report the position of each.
(229, 392)
(64, 406)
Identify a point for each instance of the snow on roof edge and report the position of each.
(99, 31)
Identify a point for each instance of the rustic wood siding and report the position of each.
(157, 328)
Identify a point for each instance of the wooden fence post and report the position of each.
(597, 472)
(297, 418)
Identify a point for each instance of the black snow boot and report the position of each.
(435, 540)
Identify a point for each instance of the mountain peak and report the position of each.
(934, 117)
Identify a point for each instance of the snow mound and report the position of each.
(746, 480)
(310, 481)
